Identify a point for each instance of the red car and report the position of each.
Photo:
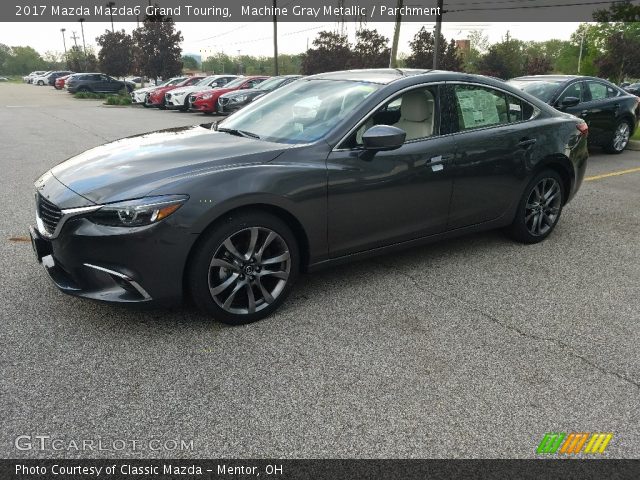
(207, 102)
(59, 85)
(156, 96)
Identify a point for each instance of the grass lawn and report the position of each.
(636, 136)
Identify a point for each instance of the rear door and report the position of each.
(493, 138)
(600, 110)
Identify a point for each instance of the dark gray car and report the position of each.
(325, 170)
(97, 83)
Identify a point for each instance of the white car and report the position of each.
(140, 95)
(179, 97)
(29, 77)
(41, 80)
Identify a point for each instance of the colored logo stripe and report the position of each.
(598, 442)
(573, 443)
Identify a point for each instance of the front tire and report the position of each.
(244, 268)
(539, 208)
(620, 138)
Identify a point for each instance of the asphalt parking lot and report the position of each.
(474, 347)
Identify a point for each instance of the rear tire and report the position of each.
(620, 138)
(539, 208)
(83, 89)
(243, 269)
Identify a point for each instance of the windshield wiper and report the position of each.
(240, 133)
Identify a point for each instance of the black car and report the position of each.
(328, 169)
(611, 113)
(53, 76)
(633, 88)
(97, 83)
(234, 101)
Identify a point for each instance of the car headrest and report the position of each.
(417, 106)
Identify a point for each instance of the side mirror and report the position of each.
(567, 102)
(383, 137)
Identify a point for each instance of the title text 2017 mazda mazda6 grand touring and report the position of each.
(329, 168)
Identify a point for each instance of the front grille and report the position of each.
(192, 98)
(223, 101)
(48, 213)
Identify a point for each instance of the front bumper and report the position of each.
(113, 264)
(176, 101)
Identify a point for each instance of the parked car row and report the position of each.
(611, 113)
(82, 82)
(220, 94)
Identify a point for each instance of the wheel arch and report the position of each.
(563, 167)
(296, 227)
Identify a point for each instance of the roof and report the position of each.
(373, 75)
(558, 78)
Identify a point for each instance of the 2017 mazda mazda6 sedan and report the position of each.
(330, 168)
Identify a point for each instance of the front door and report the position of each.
(391, 196)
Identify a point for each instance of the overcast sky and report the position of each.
(256, 38)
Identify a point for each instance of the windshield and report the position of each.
(271, 83)
(206, 80)
(236, 83)
(542, 89)
(301, 112)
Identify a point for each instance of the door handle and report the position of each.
(527, 142)
(436, 160)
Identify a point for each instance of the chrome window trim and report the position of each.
(536, 112)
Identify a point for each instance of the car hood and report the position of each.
(191, 89)
(135, 166)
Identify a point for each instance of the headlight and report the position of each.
(239, 98)
(206, 96)
(137, 213)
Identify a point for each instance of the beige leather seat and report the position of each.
(416, 114)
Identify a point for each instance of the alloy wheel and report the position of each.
(543, 206)
(621, 137)
(249, 270)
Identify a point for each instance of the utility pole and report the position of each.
(111, 5)
(275, 39)
(64, 41)
(436, 43)
(580, 54)
(84, 45)
(393, 63)
(239, 63)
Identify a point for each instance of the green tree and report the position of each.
(158, 52)
(331, 52)
(478, 46)
(189, 62)
(78, 62)
(504, 59)
(116, 53)
(371, 50)
(23, 60)
(422, 48)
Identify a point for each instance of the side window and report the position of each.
(598, 90)
(414, 112)
(479, 107)
(519, 110)
(573, 90)
(612, 92)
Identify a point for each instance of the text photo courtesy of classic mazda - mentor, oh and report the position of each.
(329, 168)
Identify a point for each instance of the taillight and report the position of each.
(583, 127)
